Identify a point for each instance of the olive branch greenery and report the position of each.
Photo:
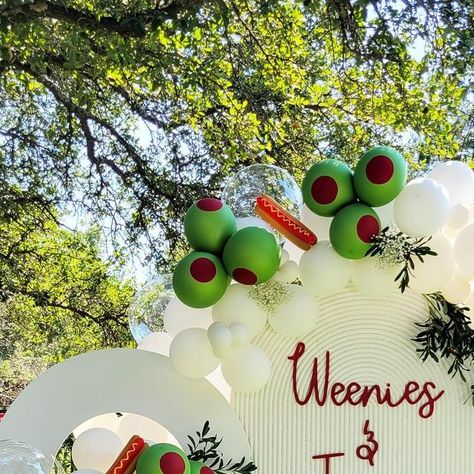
(447, 334)
(395, 248)
(204, 448)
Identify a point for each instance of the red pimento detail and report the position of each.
(206, 470)
(244, 276)
(379, 169)
(367, 228)
(324, 190)
(209, 204)
(172, 463)
(203, 270)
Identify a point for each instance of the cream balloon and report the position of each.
(287, 273)
(220, 337)
(458, 217)
(323, 271)
(464, 250)
(158, 342)
(421, 208)
(178, 317)
(294, 252)
(318, 224)
(131, 424)
(109, 421)
(238, 306)
(373, 280)
(240, 334)
(191, 353)
(457, 289)
(435, 272)
(96, 448)
(457, 178)
(297, 315)
(247, 369)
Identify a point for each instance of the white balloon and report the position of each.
(247, 369)
(96, 448)
(237, 306)
(218, 380)
(373, 280)
(435, 272)
(252, 221)
(131, 424)
(298, 315)
(464, 250)
(457, 178)
(458, 217)
(385, 214)
(178, 317)
(323, 271)
(191, 353)
(318, 224)
(458, 289)
(294, 251)
(158, 342)
(421, 208)
(220, 337)
(284, 257)
(240, 334)
(287, 273)
(109, 421)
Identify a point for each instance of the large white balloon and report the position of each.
(97, 449)
(247, 369)
(421, 208)
(318, 224)
(297, 315)
(191, 353)
(158, 342)
(464, 250)
(457, 178)
(237, 306)
(131, 424)
(436, 271)
(373, 280)
(323, 271)
(178, 317)
(458, 289)
(109, 421)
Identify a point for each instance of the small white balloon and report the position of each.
(287, 273)
(191, 353)
(158, 342)
(247, 369)
(458, 217)
(178, 317)
(131, 424)
(458, 289)
(323, 271)
(240, 334)
(297, 315)
(421, 208)
(220, 337)
(284, 257)
(318, 224)
(294, 251)
(252, 221)
(237, 306)
(373, 280)
(96, 448)
(457, 178)
(435, 272)
(464, 250)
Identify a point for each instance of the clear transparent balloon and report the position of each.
(17, 457)
(147, 309)
(242, 189)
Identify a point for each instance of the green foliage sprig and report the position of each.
(204, 448)
(396, 248)
(447, 334)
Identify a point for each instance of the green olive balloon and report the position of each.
(353, 229)
(200, 280)
(163, 458)
(208, 224)
(252, 256)
(327, 187)
(379, 176)
(200, 468)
